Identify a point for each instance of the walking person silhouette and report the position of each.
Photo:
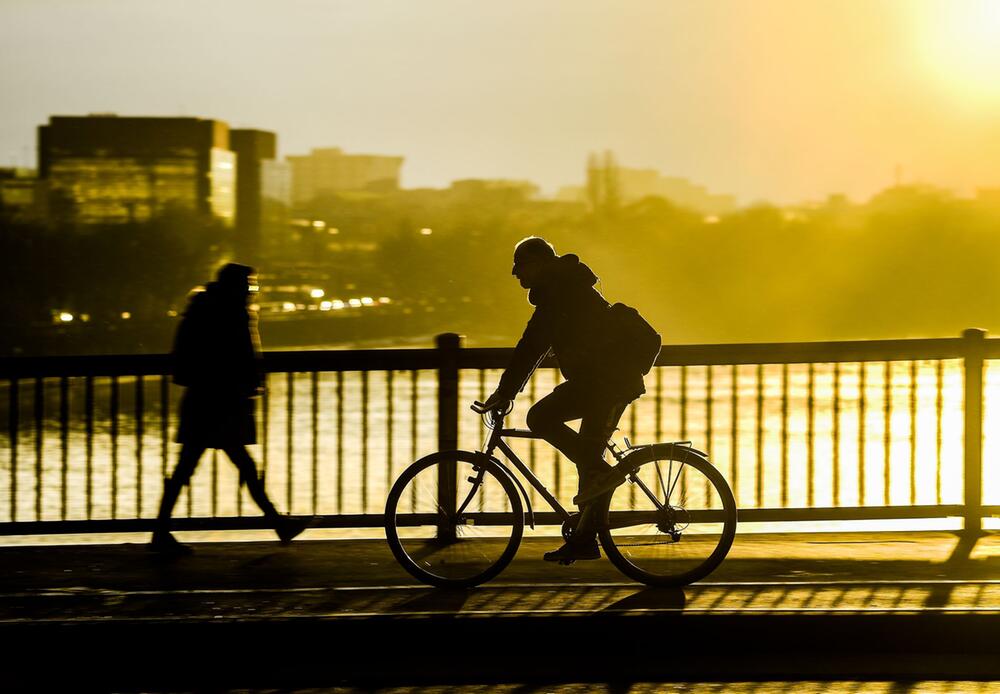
(576, 323)
(216, 358)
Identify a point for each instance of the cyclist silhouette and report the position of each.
(571, 319)
(216, 357)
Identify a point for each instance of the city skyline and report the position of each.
(783, 102)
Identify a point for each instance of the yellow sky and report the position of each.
(777, 99)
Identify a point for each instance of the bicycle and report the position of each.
(455, 519)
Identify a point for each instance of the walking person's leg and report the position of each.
(287, 528)
(162, 540)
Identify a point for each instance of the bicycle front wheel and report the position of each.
(454, 519)
(674, 519)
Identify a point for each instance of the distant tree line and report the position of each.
(910, 262)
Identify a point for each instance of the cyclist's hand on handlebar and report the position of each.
(496, 402)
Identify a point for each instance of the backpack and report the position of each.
(638, 344)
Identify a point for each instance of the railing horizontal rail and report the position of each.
(497, 357)
(540, 518)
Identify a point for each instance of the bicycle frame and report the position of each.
(496, 442)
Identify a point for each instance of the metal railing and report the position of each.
(803, 431)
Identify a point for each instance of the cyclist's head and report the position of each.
(531, 256)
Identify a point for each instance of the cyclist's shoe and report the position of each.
(166, 544)
(288, 528)
(598, 485)
(571, 551)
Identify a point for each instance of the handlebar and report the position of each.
(480, 408)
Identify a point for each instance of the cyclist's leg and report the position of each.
(548, 418)
(597, 426)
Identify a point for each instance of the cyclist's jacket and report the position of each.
(572, 319)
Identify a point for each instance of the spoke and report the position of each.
(659, 476)
(680, 471)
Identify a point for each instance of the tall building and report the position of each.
(253, 148)
(111, 169)
(330, 170)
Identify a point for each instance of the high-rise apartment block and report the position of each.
(252, 148)
(111, 169)
(330, 170)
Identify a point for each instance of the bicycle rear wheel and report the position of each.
(454, 519)
(674, 519)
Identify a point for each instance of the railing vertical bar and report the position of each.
(314, 376)
(114, 446)
(633, 426)
(836, 434)
(887, 431)
(265, 416)
(449, 386)
(140, 415)
(364, 441)
(340, 442)
(414, 429)
(683, 403)
(709, 397)
(88, 415)
(289, 438)
(973, 363)
(759, 489)
(939, 405)
(389, 416)
(683, 425)
(215, 483)
(481, 376)
(632, 433)
(39, 407)
(64, 445)
(164, 424)
(659, 403)
(532, 452)
(862, 406)
(734, 431)
(13, 427)
(811, 435)
(784, 435)
(913, 433)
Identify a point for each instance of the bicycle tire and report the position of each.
(439, 562)
(638, 544)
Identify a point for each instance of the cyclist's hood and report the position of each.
(566, 272)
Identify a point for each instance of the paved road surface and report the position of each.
(321, 612)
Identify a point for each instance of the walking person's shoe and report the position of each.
(166, 544)
(288, 528)
(572, 551)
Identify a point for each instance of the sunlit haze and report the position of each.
(782, 100)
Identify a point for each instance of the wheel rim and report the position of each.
(460, 543)
(669, 521)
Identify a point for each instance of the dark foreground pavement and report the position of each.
(321, 613)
